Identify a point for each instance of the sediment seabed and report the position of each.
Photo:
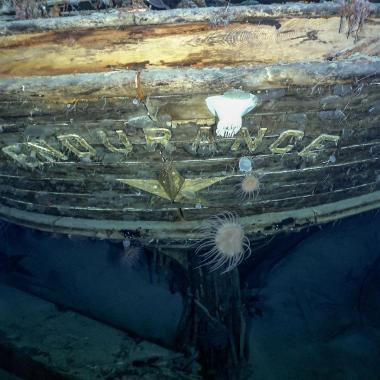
(97, 279)
(37, 341)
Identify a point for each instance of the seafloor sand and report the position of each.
(94, 278)
(38, 341)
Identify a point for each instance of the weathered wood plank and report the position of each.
(188, 213)
(184, 44)
(131, 207)
(69, 88)
(358, 98)
(280, 191)
(122, 19)
(163, 232)
(289, 204)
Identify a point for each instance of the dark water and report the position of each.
(320, 307)
(314, 310)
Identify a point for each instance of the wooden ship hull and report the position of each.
(105, 129)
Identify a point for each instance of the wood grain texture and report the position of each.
(254, 39)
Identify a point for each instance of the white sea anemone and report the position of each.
(223, 243)
(230, 108)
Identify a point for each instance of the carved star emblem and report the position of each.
(170, 185)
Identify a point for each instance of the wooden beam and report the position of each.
(121, 18)
(169, 233)
(67, 88)
(263, 35)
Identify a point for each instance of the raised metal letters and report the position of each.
(283, 138)
(122, 138)
(204, 142)
(311, 151)
(32, 155)
(252, 143)
(74, 143)
(158, 136)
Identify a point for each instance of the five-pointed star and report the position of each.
(188, 186)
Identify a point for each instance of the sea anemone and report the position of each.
(223, 243)
(249, 187)
(230, 108)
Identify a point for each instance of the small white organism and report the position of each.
(245, 164)
(230, 108)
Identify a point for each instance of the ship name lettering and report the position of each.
(204, 141)
(319, 143)
(158, 136)
(126, 144)
(77, 145)
(33, 154)
(251, 143)
(286, 136)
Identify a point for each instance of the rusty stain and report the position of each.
(139, 91)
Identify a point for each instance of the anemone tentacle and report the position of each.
(222, 243)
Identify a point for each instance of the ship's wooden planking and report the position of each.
(96, 150)
(212, 37)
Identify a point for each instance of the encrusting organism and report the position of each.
(223, 242)
(245, 164)
(249, 187)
